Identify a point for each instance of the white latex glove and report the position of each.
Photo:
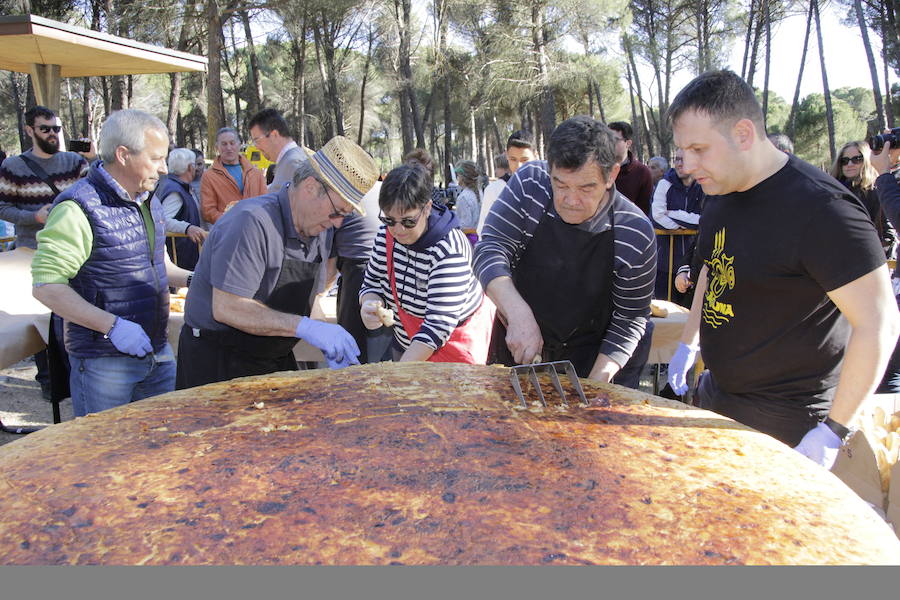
(820, 445)
(369, 313)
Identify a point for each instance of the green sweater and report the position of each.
(66, 241)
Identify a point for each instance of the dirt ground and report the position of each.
(21, 402)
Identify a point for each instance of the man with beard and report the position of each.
(29, 183)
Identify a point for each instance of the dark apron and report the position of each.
(226, 354)
(565, 275)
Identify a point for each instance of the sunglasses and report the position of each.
(856, 160)
(407, 222)
(49, 128)
(337, 214)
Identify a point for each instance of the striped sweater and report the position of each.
(511, 224)
(22, 193)
(436, 285)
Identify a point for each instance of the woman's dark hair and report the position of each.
(580, 139)
(406, 187)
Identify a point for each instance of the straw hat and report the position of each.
(347, 168)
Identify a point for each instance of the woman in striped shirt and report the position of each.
(421, 271)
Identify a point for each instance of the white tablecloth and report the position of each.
(24, 322)
(667, 332)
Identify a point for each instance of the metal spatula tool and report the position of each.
(552, 368)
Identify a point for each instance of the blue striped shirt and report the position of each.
(511, 224)
(436, 285)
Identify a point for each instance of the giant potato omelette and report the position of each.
(420, 463)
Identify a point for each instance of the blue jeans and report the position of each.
(109, 381)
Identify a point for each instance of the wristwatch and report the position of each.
(839, 430)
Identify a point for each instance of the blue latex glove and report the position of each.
(336, 344)
(820, 445)
(681, 363)
(130, 338)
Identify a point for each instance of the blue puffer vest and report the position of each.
(186, 251)
(120, 276)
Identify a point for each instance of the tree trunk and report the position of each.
(599, 101)
(631, 92)
(747, 38)
(20, 111)
(873, 70)
(298, 49)
(73, 128)
(332, 127)
(362, 91)
(215, 114)
(829, 114)
(640, 102)
(174, 97)
(751, 67)
(254, 101)
(547, 112)
(889, 104)
(448, 131)
(795, 105)
(86, 113)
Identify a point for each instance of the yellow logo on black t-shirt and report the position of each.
(721, 277)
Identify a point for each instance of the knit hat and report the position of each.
(347, 168)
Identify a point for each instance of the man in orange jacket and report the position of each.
(230, 178)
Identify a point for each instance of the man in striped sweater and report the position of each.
(570, 262)
(25, 196)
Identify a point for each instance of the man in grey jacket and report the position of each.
(269, 133)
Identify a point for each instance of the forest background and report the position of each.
(457, 76)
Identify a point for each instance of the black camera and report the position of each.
(876, 142)
(79, 146)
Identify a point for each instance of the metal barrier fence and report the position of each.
(173, 246)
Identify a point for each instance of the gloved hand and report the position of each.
(681, 363)
(129, 337)
(368, 312)
(336, 344)
(820, 445)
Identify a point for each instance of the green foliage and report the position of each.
(811, 140)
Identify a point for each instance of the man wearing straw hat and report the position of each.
(252, 291)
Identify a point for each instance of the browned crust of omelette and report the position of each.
(420, 464)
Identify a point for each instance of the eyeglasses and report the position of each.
(407, 222)
(259, 137)
(337, 214)
(856, 160)
(49, 128)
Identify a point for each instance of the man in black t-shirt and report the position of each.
(793, 307)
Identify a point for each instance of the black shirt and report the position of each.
(768, 328)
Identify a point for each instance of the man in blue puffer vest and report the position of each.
(101, 265)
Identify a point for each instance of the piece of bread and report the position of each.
(420, 463)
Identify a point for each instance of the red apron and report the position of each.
(469, 342)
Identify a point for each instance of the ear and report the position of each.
(628, 144)
(743, 134)
(122, 153)
(613, 173)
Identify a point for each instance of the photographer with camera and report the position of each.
(887, 185)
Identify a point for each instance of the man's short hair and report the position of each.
(623, 127)
(782, 142)
(38, 111)
(580, 139)
(198, 153)
(723, 96)
(127, 128)
(219, 133)
(180, 159)
(269, 119)
(501, 162)
(660, 162)
(520, 139)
